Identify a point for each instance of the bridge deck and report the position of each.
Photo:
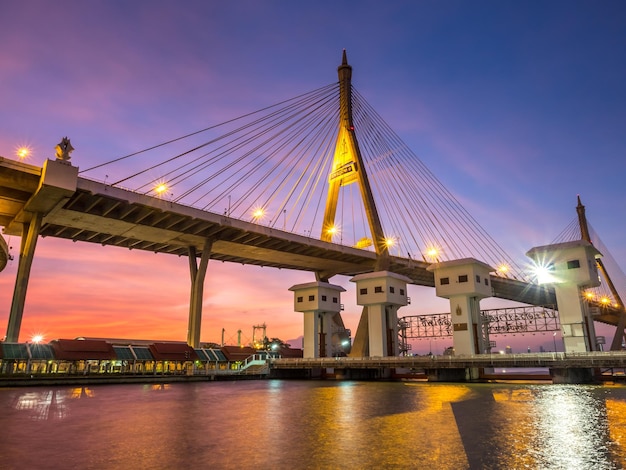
(108, 215)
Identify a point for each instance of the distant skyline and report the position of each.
(516, 107)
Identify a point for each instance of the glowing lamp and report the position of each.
(363, 243)
(258, 213)
(160, 188)
(37, 338)
(23, 152)
(544, 273)
(389, 242)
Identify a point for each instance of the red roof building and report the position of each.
(238, 353)
(172, 352)
(77, 350)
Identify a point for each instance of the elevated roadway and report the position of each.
(90, 211)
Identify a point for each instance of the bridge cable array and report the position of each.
(272, 167)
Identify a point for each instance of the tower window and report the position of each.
(463, 278)
(444, 281)
(573, 264)
(392, 289)
(477, 278)
(378, 289)
(299, 299)
(363, 291)
(335, 300)
(311, 298)
(323, 298)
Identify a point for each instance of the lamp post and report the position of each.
(554, 340)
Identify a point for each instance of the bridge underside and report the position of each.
(106, 215)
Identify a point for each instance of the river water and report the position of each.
(314, 425)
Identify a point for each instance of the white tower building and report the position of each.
(319, 302)
(382, 293)
(465, 282)
(570, 267)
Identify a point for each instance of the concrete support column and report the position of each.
(57, 183)
(377, 323)
(576, 322)
(311, 336)
(198, 274)
(317, 334)
(30, 233)
(382, 322)
(447, 375)
(465, 317)
(571, 376)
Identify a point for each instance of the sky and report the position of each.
(517, 107)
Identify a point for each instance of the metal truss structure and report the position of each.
(499, 321)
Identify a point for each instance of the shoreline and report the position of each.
(11, 382)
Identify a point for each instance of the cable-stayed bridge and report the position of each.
(271, 188)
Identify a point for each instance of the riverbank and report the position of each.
(82, 380)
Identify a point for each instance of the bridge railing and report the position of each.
(553, 360)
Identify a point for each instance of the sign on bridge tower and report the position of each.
(348, 168)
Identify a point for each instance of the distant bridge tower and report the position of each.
(570, 267)
(616, 344)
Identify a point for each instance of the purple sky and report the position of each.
(517, 107)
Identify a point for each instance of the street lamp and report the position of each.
(554, 339)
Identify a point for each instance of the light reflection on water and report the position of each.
(306, 424)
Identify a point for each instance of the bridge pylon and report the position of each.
(348, 168)
(616, 344)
